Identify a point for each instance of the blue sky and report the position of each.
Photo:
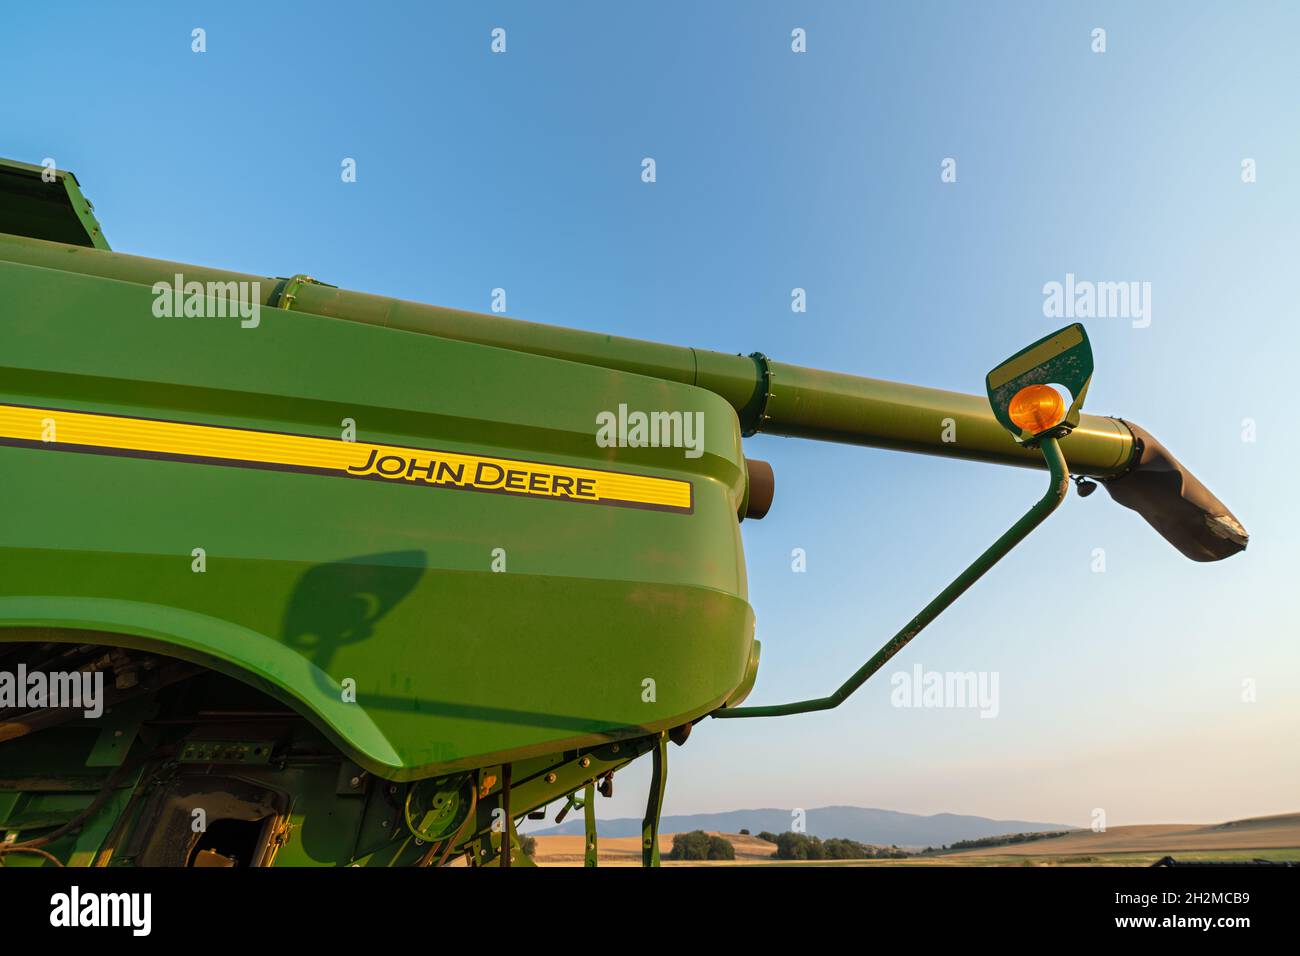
(819, 170)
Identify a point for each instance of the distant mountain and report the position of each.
(885, 827)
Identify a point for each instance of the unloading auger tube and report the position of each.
(769, 397)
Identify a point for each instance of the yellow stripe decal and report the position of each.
(65, 430)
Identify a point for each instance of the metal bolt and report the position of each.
(550, 778)
(584, 763)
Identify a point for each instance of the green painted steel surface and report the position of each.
(769, 397)
(312, 579)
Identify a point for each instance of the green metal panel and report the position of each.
(768, 396)
(313, 579)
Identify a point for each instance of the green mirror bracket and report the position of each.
(1062, 358)
(1055, 494)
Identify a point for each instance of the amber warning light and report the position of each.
(1036, 408)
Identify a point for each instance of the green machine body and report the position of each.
(354, 572)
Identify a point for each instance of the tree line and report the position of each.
(801, 846)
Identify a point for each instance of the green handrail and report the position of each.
(1060, 484)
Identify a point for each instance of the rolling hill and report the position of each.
(1273, 837)
(880, 827)
(1257, 833)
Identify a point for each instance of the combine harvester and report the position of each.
(361, 580)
